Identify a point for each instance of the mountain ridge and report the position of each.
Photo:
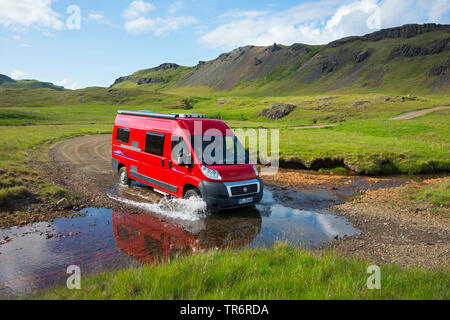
(409, 57)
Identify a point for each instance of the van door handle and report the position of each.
(163, 162)
(170, 164)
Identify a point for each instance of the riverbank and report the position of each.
(280, 272)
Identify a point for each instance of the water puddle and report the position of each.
(37, 256)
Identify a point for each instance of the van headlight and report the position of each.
(256, 171)
(211, 173)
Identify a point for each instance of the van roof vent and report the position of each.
(151, 114)
(191, 115)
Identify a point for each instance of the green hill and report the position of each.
(160, 77)
(8, 83)
(410, 58)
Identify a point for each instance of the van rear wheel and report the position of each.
(123, 177)
(192, 193)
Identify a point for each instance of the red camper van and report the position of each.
(184, 155)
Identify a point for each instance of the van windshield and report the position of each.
(219, 150)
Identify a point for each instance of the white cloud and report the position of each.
(175, 6)
(29, 13)
(96, 16)
(319, 22)
(68, 84)
(234, 14)
(164, 25)
(139, 25)
(100, 18)
(137, 22)
(438, 10)
(137, 9)
(397, 12)
(158, 26)
(18, 75)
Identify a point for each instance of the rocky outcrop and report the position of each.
(142, 80)
(433, 47)
(166, 66)
(440, 69)
(405, 31)
(138, 81)
(274, 48)
(278, 111)
(300, 47)
(330, 64)
(360, 56)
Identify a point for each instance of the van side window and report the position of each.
(154, 143)
(179, 149)
(123, 135)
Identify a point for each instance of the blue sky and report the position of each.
(41, 40)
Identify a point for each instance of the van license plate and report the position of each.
(246, 200)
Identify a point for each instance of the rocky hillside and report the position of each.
(412, 58)
(7, 82)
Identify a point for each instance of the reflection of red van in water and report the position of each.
(148, 238)
(184, 155)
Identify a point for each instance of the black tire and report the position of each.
(192, 193)
(124, 180)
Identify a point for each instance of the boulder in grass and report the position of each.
(64, 204)
(278, 111)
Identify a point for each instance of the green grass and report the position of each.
(281, 272)
(53, 192)
(376, 146)
(30, 84)
(437, 194)
(10, 194)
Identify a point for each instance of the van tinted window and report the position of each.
(154, 143)
(123, 135)
(180, 149)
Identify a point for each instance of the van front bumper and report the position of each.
(219, 195)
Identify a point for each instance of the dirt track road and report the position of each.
(83, 166)
(92, 154)
(418, 113)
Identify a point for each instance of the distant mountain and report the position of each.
(410, 58)
(7, 82)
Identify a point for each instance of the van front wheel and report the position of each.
(192, 193)
(123, 177)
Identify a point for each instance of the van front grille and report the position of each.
(243, 190)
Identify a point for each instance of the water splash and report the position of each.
(192, 209)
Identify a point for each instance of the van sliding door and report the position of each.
(154, 164)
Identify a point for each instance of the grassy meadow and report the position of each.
(278, 273)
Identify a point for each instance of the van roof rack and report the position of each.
(151, 114)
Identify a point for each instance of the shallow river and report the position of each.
(37, 256)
